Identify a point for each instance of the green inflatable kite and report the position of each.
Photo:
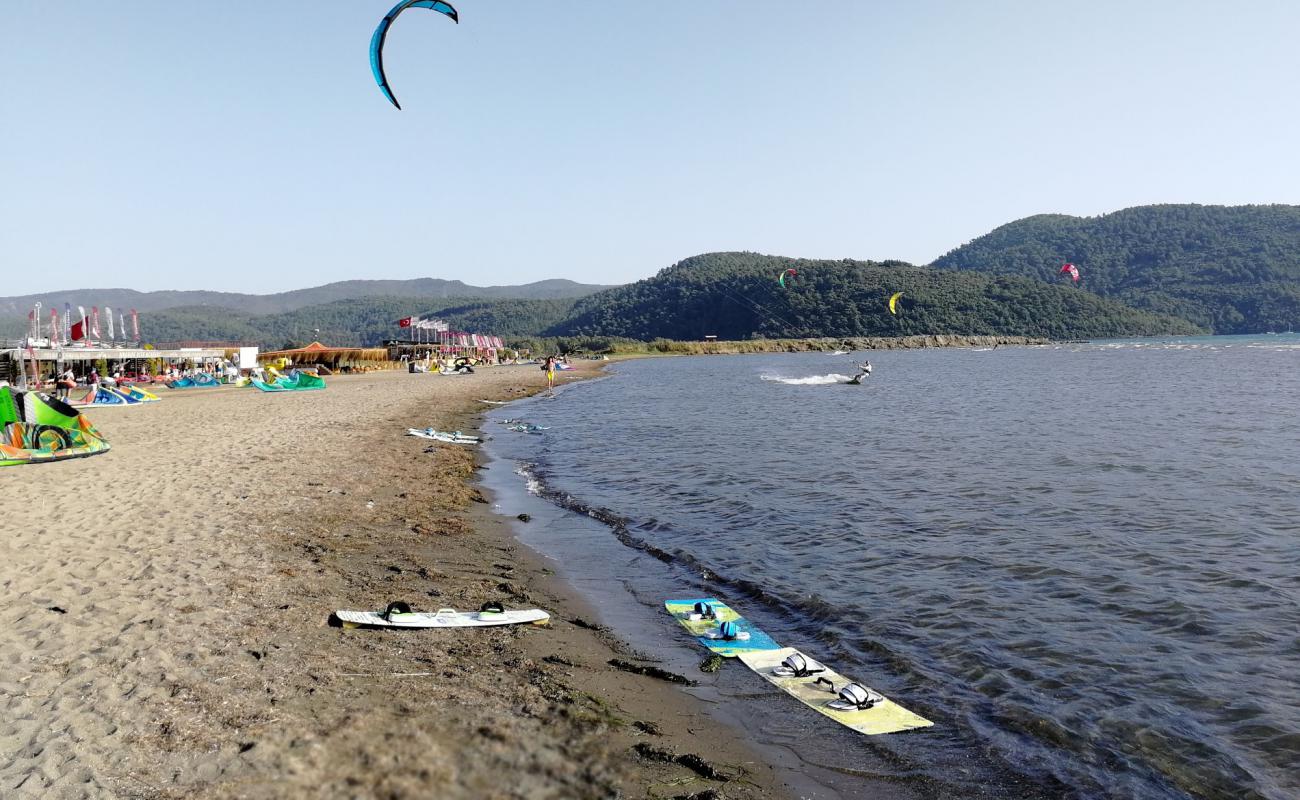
(35, 428)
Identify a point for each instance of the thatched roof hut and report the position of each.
(335, 358)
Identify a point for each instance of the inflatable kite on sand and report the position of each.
(118, 396)
(35, 428)
(294, 382)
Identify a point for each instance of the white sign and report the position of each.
(247, 357)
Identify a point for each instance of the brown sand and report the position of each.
(164, 631)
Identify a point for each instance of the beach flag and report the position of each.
(94, 322)
(109, 313)
(406, 322)
(135, 324)
(81, 330)
(67, 322)
(55, 330)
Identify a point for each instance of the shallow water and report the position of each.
(1079, 560)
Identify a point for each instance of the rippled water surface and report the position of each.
(1080, 561)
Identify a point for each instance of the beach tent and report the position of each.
(35, 428)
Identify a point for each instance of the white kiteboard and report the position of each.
(823, 690)
(443, 436)
(442, 618)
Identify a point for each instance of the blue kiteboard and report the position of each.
(719, 628)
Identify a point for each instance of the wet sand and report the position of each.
(165, 631)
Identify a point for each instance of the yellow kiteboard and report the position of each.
(819, 687)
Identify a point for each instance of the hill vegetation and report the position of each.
(734, 296)
(737, 296)
(299, 298)
(352, 322)
(1227, 269)
(1152, 270)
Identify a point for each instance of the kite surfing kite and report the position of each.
(36, 428)
(893, 303)
(789, 273)
(381, 33)
(1071, 270)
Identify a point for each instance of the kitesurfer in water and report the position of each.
(864, 372)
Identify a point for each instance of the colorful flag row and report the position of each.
(422, 324)
(85, 328)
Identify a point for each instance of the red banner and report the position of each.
(404, 323)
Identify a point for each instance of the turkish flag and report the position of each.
(404, 323)
(79, 330)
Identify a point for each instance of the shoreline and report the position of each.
(663, 347)
(179, 646)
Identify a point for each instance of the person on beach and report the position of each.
(66, 382)
(549, 367)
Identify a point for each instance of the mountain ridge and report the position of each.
(283, 302)
(1230, 269)
(737, 296)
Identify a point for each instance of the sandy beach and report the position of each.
(165, 631)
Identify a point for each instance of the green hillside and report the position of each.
(284, 302)
(1229, 269)
(351, 322)
(737, 296)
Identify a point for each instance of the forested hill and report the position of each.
(552, 289)
(737, 296)
(366, 321)
(1230, 269)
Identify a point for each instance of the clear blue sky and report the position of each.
(243, 145)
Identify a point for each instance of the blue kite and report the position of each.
(381, 33)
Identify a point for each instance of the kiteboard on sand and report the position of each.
(443, 436)
(718, 627)
(849, 703)
(400, 615)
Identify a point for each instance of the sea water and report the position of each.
(1082, 562)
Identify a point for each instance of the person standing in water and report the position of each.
(864, 371)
